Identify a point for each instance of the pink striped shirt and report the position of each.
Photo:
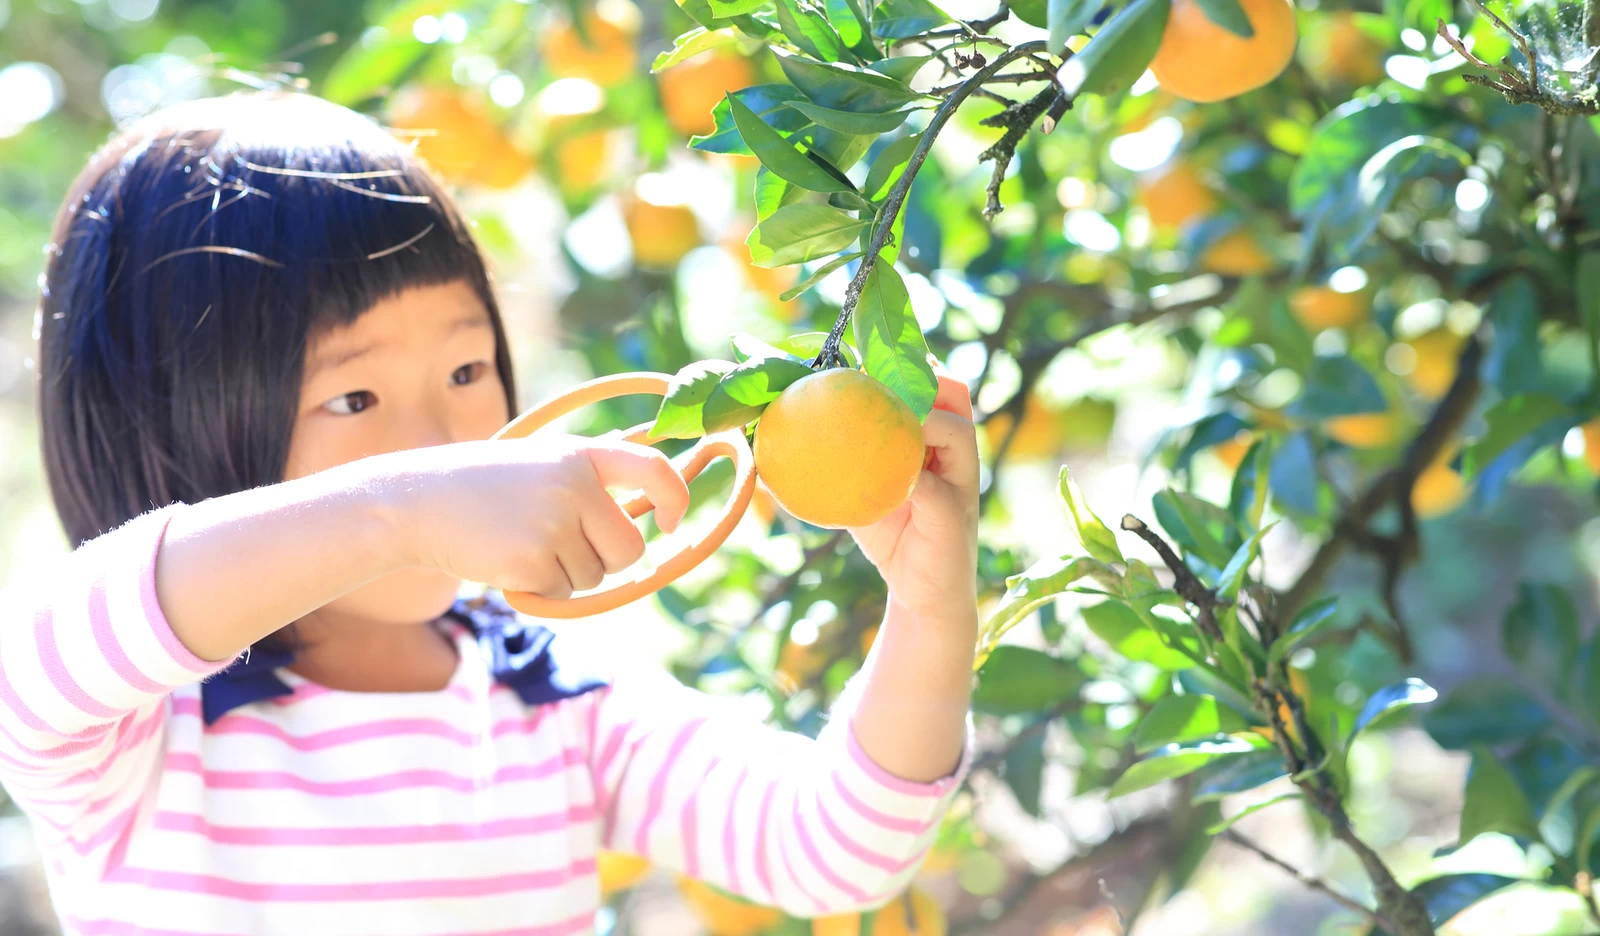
(463, 811)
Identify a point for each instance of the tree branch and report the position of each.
(1390, 487)
(1185, 582)
(897, 195)
(1308, 879)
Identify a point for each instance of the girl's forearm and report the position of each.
(233, 569)
(917, 685)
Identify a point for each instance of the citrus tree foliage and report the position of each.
(1376, 279)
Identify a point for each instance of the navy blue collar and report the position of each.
(520, 653)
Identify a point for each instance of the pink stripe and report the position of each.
(19, 708)
(157, 620)
(107, 833)
(691, 823)
(763, 874)
(885, 778)
(880, 819)
(373, 835)
(48, 754)
(730, 846)
(302, 693)
(856, 849)
(810, 848)
(50, 658)
(613, 745)
(602, 791)
(106, 639)
(783, 853)
(347, 891)
(382, 783)
(234, 724)
(658, 786)
(582, 923)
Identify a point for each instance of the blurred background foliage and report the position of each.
(1203, 309)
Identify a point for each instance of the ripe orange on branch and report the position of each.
(838, 449)
(690, 89)
(458, 137)
(604, 51)
(1320, 307)
(1176, 196)
(1201, 61)
(1236, 254)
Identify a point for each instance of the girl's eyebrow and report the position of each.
(331, 360)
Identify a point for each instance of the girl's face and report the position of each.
(416, 370)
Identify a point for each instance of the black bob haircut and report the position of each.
(196, 256)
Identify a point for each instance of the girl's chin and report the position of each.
(404, 597)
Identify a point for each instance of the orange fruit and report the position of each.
(618, 872)
(1591, 444)
(1320, 307)
(1364, 430)
(1439, 490)
(1236, 254)
(1347, 54)
(725, 915)
(1435, 367)
(797, 664)
(1038, 436)
(604, 53)
(868, 638)
(690, 89)
(582, 159)
(770, 282)
(926, 919)
(1176, 196)
(458, 137)
(838, 449)
(1201, 61)
(1232, 452)
(660, 224)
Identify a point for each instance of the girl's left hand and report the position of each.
(927, 549)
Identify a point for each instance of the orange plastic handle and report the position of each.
(729, 443)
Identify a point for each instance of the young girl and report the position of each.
(270, 361)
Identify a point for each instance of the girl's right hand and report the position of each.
(527, 516)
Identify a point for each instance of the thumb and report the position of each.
(639, 467)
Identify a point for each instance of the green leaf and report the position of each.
(1247, 497)
(1014, 680)
(1494, 802)
(1177, 760)
(740, 396)
(1312, 620)
(809, 171)
(1484, 710)
(1023, 772)
(769, 101)
(1239, 563)
(1509, 420)
(381, 56)
(1239, 775)
(1095, 536)
(692, 43)
(1383, 176)
(1065, 19)
(1346, 139)
(1121, 627)
(889, 165)
(1041, 583)
(726, 8)
(1179, 718)
(850, 122)
(772, 193)
(1540, 634)
(1390, 701)
(1591, 680)
(680, 414)
(802, 232)
(807, 345)
(846, 87)
(819, 275)
(1198, 526)
(1229, 15)
(1119, 53)
(902, 19)
(1337, 386)
(810, 31)
(848, 17)
(747, 346)
(890, 340)
(1227, 823)
(901, 68)
(1446, 896)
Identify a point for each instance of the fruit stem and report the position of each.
(829, 355)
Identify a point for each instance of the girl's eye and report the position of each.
(351, 403)
(468, 373)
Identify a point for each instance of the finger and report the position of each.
(639, 467)
(547, 579)
(582, 567)
(954, 441)
(953, 395)
(610, 531)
